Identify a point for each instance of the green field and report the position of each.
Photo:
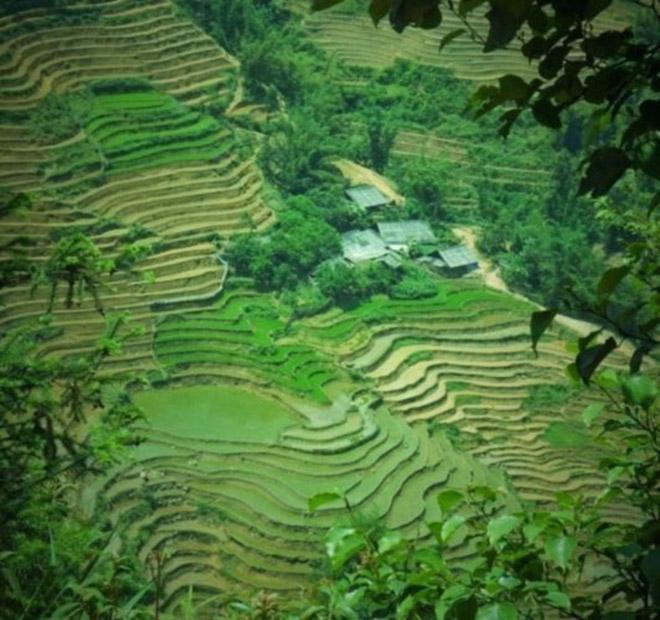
(214, 412)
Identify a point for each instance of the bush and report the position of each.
(415, 284)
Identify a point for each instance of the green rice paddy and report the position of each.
(214, 412)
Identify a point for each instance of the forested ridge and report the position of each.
(207, 412)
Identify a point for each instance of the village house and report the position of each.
(367, 197)
(399, 236)
(458, 260)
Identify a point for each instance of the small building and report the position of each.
(400, 235)
(367, 197)
(359, 246)
(459, 260)
(392, 260)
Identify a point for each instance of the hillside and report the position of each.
(131, 134)
(123, 119)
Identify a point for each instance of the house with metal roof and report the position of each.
(367, 197)
(362, 245)
(459, 259)
(400, 235)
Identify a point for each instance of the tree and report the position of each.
(381, 134)
(78, 263)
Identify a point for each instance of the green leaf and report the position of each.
(449, 37)
(501, 526)
(606, 167)
(342, 544)
(539, 323)
(320, 5)
(378, 9)
(546, 113)
(559, 599)
(513, 88)
(497, 611)
(467, 6)
(560, 550)
(404, 609)
(503, 27)
(531, 531)
(457, 599)
(389, 541)
(450, 527)
(449, 499)
(320, 499)
(588, 360)
(591, 412)
(640, 390)
(610, 280)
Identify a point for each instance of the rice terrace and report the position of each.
(279, 243)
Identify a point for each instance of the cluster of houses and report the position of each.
(391, 240)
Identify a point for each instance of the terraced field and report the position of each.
(223, 488)
(46, 52)
(388, 402)
(352, 38)
(251, 412)
(146, 156)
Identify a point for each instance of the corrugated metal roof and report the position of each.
(362, 245)
(458, 256)
(367, 196)
(405, 232)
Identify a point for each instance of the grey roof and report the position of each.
(367, 196)
(405, 232)
(458, 256)
(391, 260)
(361, 245)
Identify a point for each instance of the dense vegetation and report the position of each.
(535, 231)
(248, 493)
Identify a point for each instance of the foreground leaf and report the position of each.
(342, 544)
(497, 611)
(450, 527)
(449, 499)
(591, 412)
(501, 526)
(606, 166)
(320, 499)
(539, 323)
(588, 360)
(560, 550)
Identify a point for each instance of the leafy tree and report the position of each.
(78, 263)
(381, 134)
(44, 403)
(294, 156)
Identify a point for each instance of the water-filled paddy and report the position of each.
(215, 412)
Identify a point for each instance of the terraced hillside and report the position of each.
(388, 402)
(461, 363)
(352, 38)
(223, 489)
(141, 159)
(250, 412)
